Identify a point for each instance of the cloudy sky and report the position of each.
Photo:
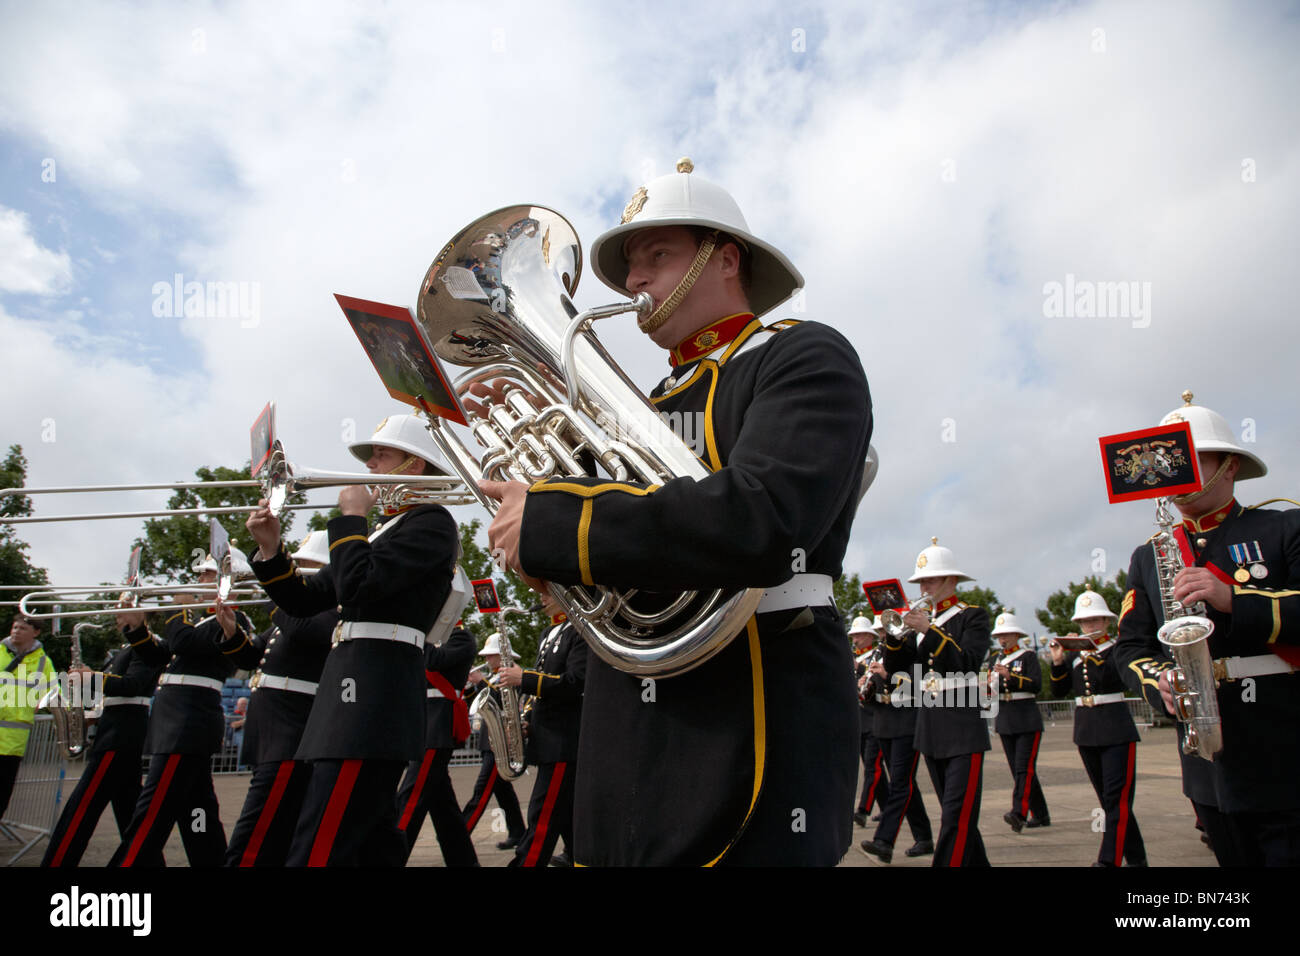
(932, 169)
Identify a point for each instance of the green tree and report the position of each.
(525, 629)
(15, 566)
(850, 599)
(986, 598)
(1060, 604)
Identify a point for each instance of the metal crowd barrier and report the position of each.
(38, 792)
(1062, 711)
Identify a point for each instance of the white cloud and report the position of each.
(26, 265)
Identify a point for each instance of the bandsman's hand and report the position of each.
(1200, 584)
(503, 535)
(1002, 670)
(511, 676)
(356, 500)
(476, 677)
(265, 529)
(226, 618)
(878, 668)
(1057, 651)
(917, 620)
(1167, 694)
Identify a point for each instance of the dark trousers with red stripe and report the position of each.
(427, 789)
(550, 814)
(491, 784)
(958, 782)
(902, 799)
(178, 792)
(271, 808)
(110, 776)
(875, 784)
(1113, 772)
(1022, 757)
(349, 816)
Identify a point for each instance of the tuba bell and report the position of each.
(497, 299)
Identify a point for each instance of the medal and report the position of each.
(1241, 575)
(1258, 571)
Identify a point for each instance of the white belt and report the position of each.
(949, 683)
(1234, 668)
(1018, 695)
(375, 631)
(434, 692)
(192, 680)
(261, 681)
(802, 590)
(1095, 700)
(123, 701)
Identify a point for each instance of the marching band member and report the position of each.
(738, 760)
(552, 727)
(1017, 678)
(112, 771)
(1244, 563)
(287, 660)
(1104, 730)
(490, 783)
(950, 730)
(427, 786)
(24, 666)
(367, 720)
(186, 726)
(875, 783)
(894, 728)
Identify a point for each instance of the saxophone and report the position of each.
(504, 720)
(69, 716)
(1185, 634)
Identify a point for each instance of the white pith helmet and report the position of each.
(407, 433)
(937, 561)
(1091, 604)
(682, 199)
(1210, 432)
(493, 646)
(314, 547)
(1007, 624)
(208, 564)
(862, 625)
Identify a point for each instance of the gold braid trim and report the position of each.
(652, 322)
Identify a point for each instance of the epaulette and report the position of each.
(1270, 501)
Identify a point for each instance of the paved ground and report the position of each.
(1162, 812)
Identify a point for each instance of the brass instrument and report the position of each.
(1185, 634)
(892, 619)
(69, 715)
(497, 299)
(242, 596)
(503, 719)
(280, 480)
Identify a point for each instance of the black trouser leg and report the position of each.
(958, 782)
(427, 788)
(875, 784)
(270, 815)
(178, 792)
(349, 816)
(488, 785)
(550, 813)
(904, 799)
(109, 776)
(1113, 772)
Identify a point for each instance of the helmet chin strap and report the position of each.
(1181, 500)
(652, 322)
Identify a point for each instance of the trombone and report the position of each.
(280, 481)
(128, 599)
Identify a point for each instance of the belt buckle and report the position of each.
(255, 681)
(337, 637)
(1220, 669)
(1087, 700)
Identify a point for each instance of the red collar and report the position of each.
(945, 604)
(700, 343)
(1213, 519)
(559, 618)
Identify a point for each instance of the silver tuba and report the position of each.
(498, 300)
(69, 715)
(498, 709)
(1185, 634)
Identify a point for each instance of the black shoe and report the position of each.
(509, 843)
(1039, 822)
(876, 818)
(1015, 820)
(561, 859)
(1141, 862)
(920, 848)
(860, 819)
(877, 849)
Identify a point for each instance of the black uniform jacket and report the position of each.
(1095, 672)
(188, 719)
(955, 648)
(1256, 770)
(370, 703)
(765, 732)
(895, 716)
(556, 687)
(123, 726)
(451, 661)
(293, 647)
(1026, 677)
(869, 698)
